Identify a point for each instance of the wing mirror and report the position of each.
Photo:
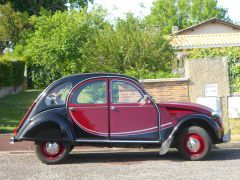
(146, 99)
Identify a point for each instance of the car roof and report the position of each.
(81, 77)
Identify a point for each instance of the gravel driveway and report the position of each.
(136, 164)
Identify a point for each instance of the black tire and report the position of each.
(45, 157)
(190, 136)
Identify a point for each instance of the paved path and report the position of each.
(222, 164)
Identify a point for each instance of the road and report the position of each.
(137, 164)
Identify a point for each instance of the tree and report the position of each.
(129, 48)
(54, 49)
(33, 7)
(12, 26)
(183, 13)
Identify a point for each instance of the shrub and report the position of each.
(11, 72)
(18, 72)
(6, 73)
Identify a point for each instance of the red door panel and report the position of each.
(88, 107)
(93, 120)
(132, 120)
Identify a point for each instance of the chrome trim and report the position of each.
(52, 148)
(227, 137)
(193, 144)
(127, 132)
(114, 141)
(163, 125)
(79, 107)
(111, 97)
(12, 140)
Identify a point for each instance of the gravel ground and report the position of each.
(123, 164)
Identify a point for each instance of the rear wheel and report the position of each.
(194, 143)
(52, 152)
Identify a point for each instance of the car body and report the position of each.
(105, 109)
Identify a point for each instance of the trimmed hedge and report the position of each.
(18, 72)
(11, 72)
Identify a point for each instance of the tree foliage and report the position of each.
(79, 42)
(183, 13)
(13, 25)
(33, 7)
(131, 48)
(54, 49)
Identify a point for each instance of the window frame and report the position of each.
(50, 91)
(70, 101)
(128, 82)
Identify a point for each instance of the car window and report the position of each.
(58, 95)
(91, 93)
(124, 92)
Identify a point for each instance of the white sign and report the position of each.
(234, 107)
(211, 102)
(211, 90)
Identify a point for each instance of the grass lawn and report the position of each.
(13, 108)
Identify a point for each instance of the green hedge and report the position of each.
(18, 72)
(11, 72)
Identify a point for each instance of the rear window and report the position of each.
(58, 95)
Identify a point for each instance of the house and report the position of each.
(203, 76)
(208, 34)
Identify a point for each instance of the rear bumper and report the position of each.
(12, 140)
(227, 137)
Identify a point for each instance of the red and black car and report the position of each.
(114, 110)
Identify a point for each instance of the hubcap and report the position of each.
(193, 144)
(52, 148)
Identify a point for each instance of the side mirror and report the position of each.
(146, 99)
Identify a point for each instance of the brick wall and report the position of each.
(168, 90)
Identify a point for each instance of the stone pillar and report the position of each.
(201, 72)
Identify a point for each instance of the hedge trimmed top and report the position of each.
(11, 72)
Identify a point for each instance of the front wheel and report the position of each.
(52, 152)
(194, 143)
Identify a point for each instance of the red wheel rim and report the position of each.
(52, 150)
(194, 144)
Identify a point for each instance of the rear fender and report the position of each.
(47, 126)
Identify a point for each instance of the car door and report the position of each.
(88, 108)
(131, 118)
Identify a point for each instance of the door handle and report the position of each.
(72, 109)
(113, 108)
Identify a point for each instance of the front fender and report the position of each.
(217, 131)
(47, 125)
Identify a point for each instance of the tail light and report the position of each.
(24, 118)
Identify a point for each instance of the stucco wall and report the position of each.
(208, 71)
(4, 91)
(167, 90)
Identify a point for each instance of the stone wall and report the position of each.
(4, 91)
(167, 90)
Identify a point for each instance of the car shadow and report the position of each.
(132, 157)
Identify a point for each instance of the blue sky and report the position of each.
(117, 8)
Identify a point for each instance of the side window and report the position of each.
(124, 92)
(58, 95)
(91, 93)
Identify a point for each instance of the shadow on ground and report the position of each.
(136, 157)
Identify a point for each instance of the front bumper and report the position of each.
(12, 140)
(227, 137)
